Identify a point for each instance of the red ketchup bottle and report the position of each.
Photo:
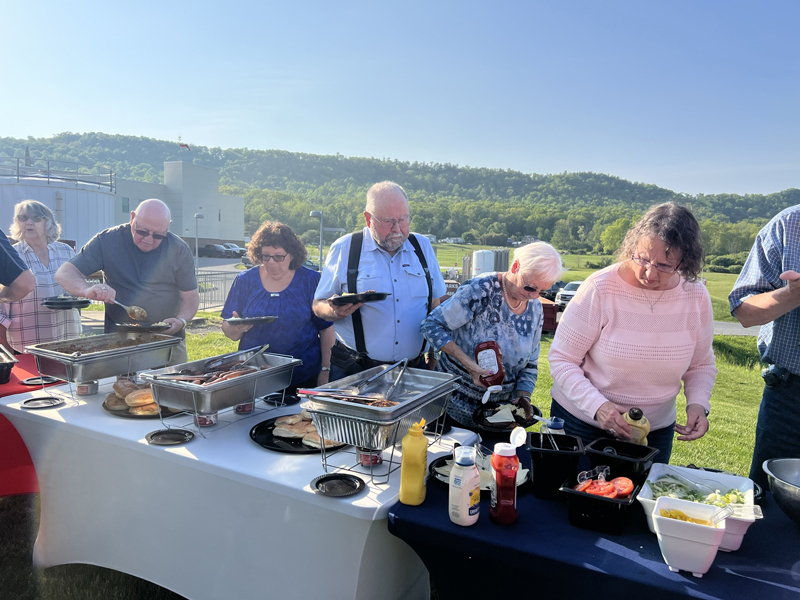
(505, 465)
(489, 356)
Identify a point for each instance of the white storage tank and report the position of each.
(482, 262)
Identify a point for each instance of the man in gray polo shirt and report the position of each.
(144, 265)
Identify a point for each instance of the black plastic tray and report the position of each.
(588, 511)
(355, 298)
(261, 434)
(480, 414)
(56, 303)
(626, 460)
(550, 467)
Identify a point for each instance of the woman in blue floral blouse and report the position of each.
(495, 306)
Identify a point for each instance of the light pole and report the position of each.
(318, 215)
(196, 247)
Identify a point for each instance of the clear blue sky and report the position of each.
(695, 96)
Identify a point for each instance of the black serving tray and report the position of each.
(356, 298)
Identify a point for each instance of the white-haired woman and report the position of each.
(499, 307)
(26, 321)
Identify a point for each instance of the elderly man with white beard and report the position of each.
(383, 257)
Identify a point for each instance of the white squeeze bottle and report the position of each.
(465, 487)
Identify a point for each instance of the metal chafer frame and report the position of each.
(154, 351)
(426, 393)
(215, 397)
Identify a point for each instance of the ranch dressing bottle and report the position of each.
(465, 488)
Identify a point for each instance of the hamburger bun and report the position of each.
(294, 431)
(112, 402)
(314, 440)
(305, 414)
(145, 409)
(288, 420)
(139, 398)
(123, 387)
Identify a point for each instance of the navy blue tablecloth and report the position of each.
(543, 556)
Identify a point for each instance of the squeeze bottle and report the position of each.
(489, 356)
(465, 487)
(505, 465)
(413, 465)
(640, 426)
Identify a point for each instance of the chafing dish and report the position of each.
(100, 356)
(213, 397)
(419, 394)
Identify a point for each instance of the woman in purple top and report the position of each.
(281, 286)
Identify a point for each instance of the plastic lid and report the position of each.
(465, 455)
(635, 413)
(416, 428)
(555, 423)
(504, 449)
(518, 436)
(492, 389)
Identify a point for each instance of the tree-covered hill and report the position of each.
(573, 209)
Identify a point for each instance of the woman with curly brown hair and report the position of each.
(281, 286)
(636, 331)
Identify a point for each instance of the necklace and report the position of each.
(508, 297)
(653, 304)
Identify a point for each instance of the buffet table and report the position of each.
(218, 517)
(17, 475)
(543, 555)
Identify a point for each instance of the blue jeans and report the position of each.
(777, 426)
(659, 438)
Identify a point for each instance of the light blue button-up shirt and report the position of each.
(776, 249)
(391, 327)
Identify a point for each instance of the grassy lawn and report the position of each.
(728, 445)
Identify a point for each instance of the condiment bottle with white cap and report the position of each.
(505, 465)
(413, 465)
(465, 487)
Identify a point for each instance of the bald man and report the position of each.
(386, 258)
(144, 265)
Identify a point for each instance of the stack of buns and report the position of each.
(300, 427)
(132, 398)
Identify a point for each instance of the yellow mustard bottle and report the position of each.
(640, 426)
(413, 465)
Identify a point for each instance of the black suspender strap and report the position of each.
(353, 259)
(356, 240)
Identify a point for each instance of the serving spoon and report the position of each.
(137, 313)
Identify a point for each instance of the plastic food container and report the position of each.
(735, 527)
(551, 466)
(687, 546)
(588, 511)
(625, 459)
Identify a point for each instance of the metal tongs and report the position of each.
(397, 380)
(243, 363)
(216, 363)
(358, 388)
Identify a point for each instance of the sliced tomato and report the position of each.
(611, 494)
(600, 488)
(581, 487)
(623, 485)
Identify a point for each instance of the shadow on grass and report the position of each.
(20, 580)
(736, 350)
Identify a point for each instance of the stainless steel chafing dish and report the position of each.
(99, 356)
(420, 394)
(207, 399)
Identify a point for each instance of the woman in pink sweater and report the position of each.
(634, 332)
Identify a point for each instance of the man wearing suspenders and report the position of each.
(383, 257)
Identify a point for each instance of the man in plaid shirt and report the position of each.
(767, 293)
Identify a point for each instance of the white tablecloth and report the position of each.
(217, 518)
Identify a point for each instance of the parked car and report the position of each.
(566, 294)
(246, 260)
(311, 265)
(215, 251)
(237, 250)
(550, 293)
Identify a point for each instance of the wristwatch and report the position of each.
(325, 369)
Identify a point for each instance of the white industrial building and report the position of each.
(87, 200)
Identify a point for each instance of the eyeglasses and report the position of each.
(276, 257)
(402, 221)
(24, 218)
(156, 236)
(529, 288)
(658, 267)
